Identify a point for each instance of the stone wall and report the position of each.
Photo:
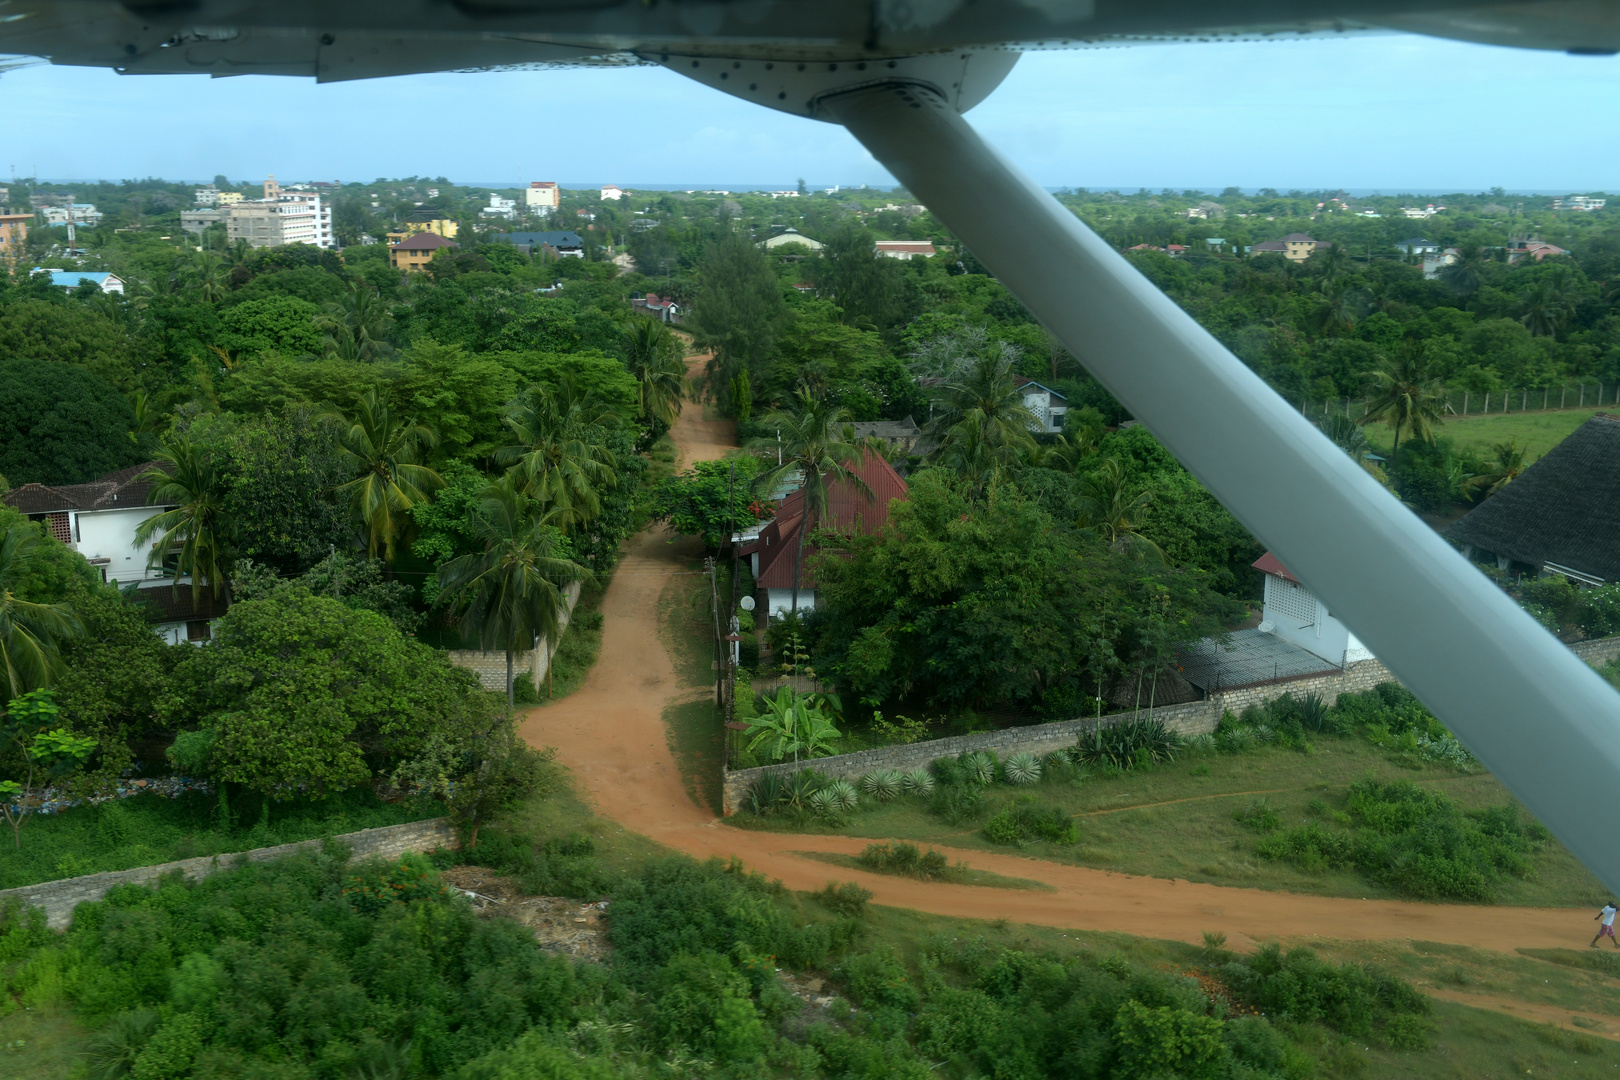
(490, 667)
(59, 898)
(1600, 651)
(1193, 718)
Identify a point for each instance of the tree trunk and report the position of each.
(798, 559)
(551, 662)
(511, 703)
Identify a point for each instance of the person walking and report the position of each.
(1607, 929)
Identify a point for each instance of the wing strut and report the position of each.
(1535, 714)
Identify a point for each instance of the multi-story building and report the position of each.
(281, 217)
(1579, 202)
(499, 207)
(229, 198)
(13, 238)
(421, 221)
(82, 214)
(208, 195)
(541, 197)
(413, 253)
(197, 221)
(612, 193)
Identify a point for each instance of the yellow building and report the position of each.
(13, 238)
(230, 198)
(425, 224)
(413, 253)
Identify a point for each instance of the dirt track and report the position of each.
(611, 733)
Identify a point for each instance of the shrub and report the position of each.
(1355, 1000)
(918, 782)
(1025, 822)
(844, 899)
(1022, 769)
(948, 771)
(906, 859)
(958, 804)
(979, 767)
(877, 979)
(842, 795)
(882, 785)
(767, 791)
(1260, 816)
(1130, 744)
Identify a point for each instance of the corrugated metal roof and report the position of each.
(848, 510)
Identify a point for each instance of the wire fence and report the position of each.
(1489, 403)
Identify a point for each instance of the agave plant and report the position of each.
(1021, 769)
(822, 803)
(767, 792)
(1312, 711)
(799, 787)
(917, 782)
(842, 795)
(882, 785)
(980, 766)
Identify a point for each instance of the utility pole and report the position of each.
(719, 662)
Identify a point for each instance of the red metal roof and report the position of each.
(114, 491)
(1269, 564)
(848, 510)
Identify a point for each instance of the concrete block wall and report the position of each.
(59, 898)
(490, 667)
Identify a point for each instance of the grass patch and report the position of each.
(43, 1042)
(148, 829)
(661, 458)
(576, 654)
(958, 873)
(693, 725)
(1536, 432)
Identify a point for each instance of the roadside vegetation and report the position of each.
(1367, 798)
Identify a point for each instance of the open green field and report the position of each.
(1177, 820)
(1537, 432)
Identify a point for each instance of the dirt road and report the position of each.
(611, 733)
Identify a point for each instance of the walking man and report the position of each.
(1607, 929)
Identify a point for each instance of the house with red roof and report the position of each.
(1295, 614)
(904, 249)
(772, 554)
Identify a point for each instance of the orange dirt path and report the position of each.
(611, 733)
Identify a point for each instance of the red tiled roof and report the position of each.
(114, 491)
(848, 509)
(915, 247)
(1269, 564)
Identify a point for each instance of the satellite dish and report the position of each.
(1268, 627)
(746, 603)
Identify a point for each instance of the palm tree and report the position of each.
(385, 453)
(811, 440)
(1507, 466)
(1333, 262)
(205, 272)
(654, 357)
(510, 594)
(1110, 510)
(988, 388)
(971, 449)
(356, 325)
(1465, 275)
(195, 530)
(30, 633)
(1406, 396)
(559, 457)
(1547, 306)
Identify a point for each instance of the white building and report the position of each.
(1047, 405)
(905, 249)
(1293, 613)
(72, 279)
(541, 197)
(792, 236)
(207, 195)
(1579, 202)
(82, 214)
(611, 193)
(282, 217)
(499, 207)
(99, 521)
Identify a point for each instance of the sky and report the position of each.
(1375, 113)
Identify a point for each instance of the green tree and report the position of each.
(982, 422)
(1407, 396)
(385, 452)
(706, 502)
(195, 532)
(1548, 305)
(812, 443)
(655, 357)
(276, 324)
(37, 754)
(205, 274)
(1111, 509)
(1506, 465)
(31, 633)
(864, 284)
(280, 475)
(561, 457)
(61, 424)
(511, 594)
(739, 311)
(356, 325)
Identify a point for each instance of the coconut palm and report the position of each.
(559, 457)
(1465, 274)
(1110, 508)
(30, 633)
(972, 449)
(510, 594)
(988, 388)
(654, 356)
(811, 441)
(187, 478)
(356, 325)
(385, 453)
(1547, 306)
(1506, 467)
(1332, 262)
(204, 272)
(1407, 396)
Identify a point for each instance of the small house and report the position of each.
(72, 279)
(1295, 614)
(905, 249)
(1047, 405)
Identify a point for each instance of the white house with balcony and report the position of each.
(99, 521)
(1295, 614)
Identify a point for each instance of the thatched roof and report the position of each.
(1564, 509)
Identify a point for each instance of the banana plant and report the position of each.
(792, 724)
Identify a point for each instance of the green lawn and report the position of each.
(692, 722)
(1176, 821)
(148, 829)
(1537, 432)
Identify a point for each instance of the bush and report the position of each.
(1025, 822)
(845, 899)
(1131, 744)
(877, 979)
(918, 782)
(958, 804)
(1021, 769)
(1260, 816)
(1349, 998)
(882, 784)
(903, 858)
